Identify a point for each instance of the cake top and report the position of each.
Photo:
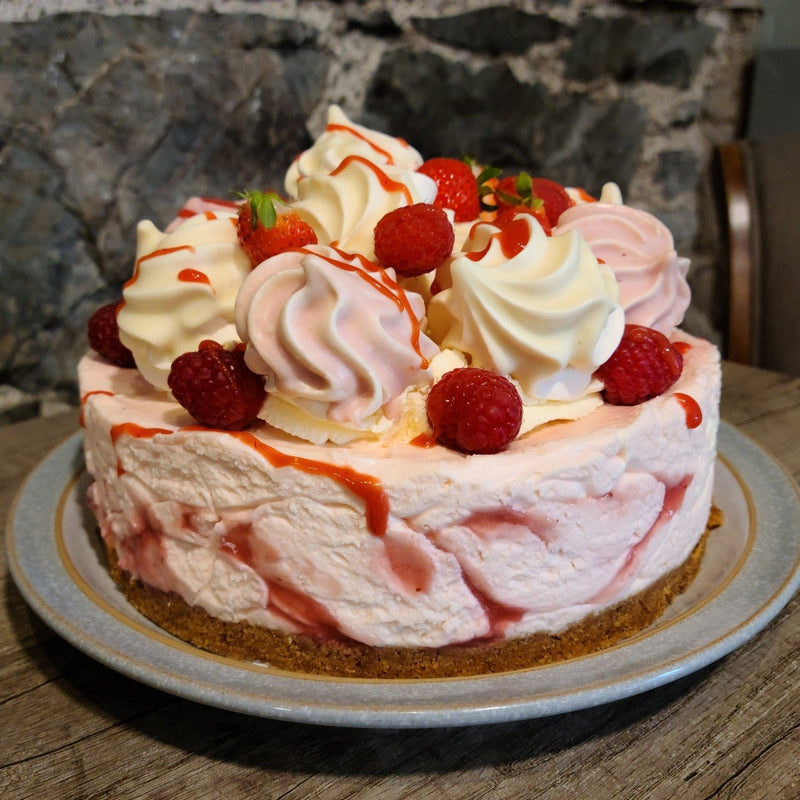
(377, 273)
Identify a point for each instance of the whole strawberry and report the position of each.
(644, 365)
(457, 187)
(474, 410)
(263, 231)
(546, 199)
(216, 387)
(103, 334)
(414, 239)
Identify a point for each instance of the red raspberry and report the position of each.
(644, 365)
(216, 387)
(414, 239)
(474, 410)
(104, 336)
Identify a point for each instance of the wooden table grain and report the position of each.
(71, 728)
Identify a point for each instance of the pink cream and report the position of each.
(85, 397)
(413, 568)
(301, 610)
(380, 280)
(500, 616)
(368, 488)
(673, 500)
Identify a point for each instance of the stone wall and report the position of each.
(110, 112)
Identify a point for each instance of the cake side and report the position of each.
(572, 519)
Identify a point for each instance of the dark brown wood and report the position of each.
(739, 218)
(71, 728)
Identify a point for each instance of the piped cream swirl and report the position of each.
(539, 309)
(342, 138)
(182, 291)
(640, 251)
(334, 334)
(344, 206)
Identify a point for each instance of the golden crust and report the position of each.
(300, 653)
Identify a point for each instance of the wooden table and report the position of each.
(72, 728)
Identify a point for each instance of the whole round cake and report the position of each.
(408, 419)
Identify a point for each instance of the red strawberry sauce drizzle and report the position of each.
(512, 238)
(85, 397)
(331, 126)
(136, 431)
(155, 254)
(694, 414)
(186, 213)
(379, 279)
(386, 182)
(368, 488)
(190, 275)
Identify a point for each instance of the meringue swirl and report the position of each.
(539, 309)
(344, 207)
(334, 334)
(640, 251)
(342, 138)
(182, 291)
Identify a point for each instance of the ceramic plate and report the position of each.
(750, 571)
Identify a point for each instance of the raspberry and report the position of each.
(474, 410)
(216, 387)
(644, 365)
(414, 239)
(104, 336)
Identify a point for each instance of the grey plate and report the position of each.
(750, 571)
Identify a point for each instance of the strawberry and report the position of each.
(544, 197)
(264, 231)
(414, 239)
(457, 187)
(644, 365)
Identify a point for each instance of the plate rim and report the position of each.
(370, 706)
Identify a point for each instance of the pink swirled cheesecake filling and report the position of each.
(570, 520)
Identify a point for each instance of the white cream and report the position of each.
(182, 291)
(544, 312)
(342, 138)
(344, 206)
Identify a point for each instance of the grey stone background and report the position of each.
(111, 112)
